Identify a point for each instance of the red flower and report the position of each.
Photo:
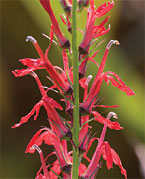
(56, 122)
(91, 30)
(44, 62)
(87, 105)
(59, 135)
(108, 154)
(64, 158)
(50, 138)
(61, 39)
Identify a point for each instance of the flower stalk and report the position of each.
(76, 126)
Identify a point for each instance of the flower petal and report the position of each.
(29, 148)
(25, 119)
(48, 137)
(103, 9)
(117, 161)
(102, 120)
(107, 155)
(110, 156)
(31, 62)
(55, 168)
(119, 84)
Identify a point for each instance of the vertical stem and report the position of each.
(76, 93)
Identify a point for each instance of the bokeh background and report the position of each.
(20, 18)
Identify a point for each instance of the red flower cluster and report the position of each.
(59, 134)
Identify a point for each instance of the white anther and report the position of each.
(31, 39)
(112, 114)
(111, 43)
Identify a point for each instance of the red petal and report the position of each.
(32, 142)
(31, 62)
(54, 103)
(82, 82)
(40, 176)
(102, 120)
(103, 9)
(25, 119)
(102, 31)
(105, 106)
(89, 146)
(48, 136)
(51, 39)
(111, 156)
(117, 161)
(63, 20)
(82, 169)
(56, 169)
(97, 28)
(107, 155)
(95, 53)
(23, 72)
(119, 84)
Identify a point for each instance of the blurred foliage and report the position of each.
(21, 18)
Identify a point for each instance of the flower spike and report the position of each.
(81, 106)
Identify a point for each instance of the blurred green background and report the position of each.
(18, 95)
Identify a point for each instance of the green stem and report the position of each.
(76, 93)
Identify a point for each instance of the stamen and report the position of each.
(49, 89)
(33, 74)
(50, 38)
(111, 43)
(37, 148)
(31, 39)
(112, 114)
(88, 80)
(42, 161)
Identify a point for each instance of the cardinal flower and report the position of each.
(87, 105)
(43, 62)
(50, 138)
(56, 122)
(108, 154)
(61, 38)
(64, 158)
(93, 31)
